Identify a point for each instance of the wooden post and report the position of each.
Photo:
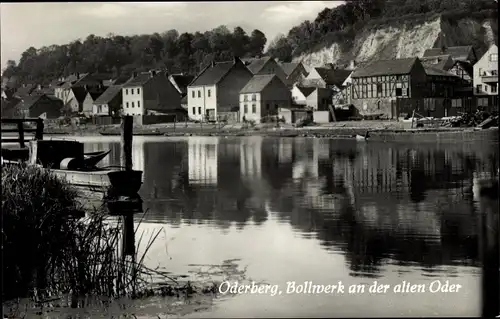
(20, 127)
(490, 248)
(39, 129)
(126, 142)
(412, 117)
(128, 247)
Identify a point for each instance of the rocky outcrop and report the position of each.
(407, 40)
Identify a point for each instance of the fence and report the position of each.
(21, 129)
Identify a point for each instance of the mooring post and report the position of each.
(490, 248)
(39, 129)
(20, 128)
(126, 163)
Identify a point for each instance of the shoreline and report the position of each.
(391, 132)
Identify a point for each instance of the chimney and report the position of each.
(134, 74)
(443, 49)
(152, 73)
(39, 87)
(24, 85)
(213, 63)
(235, 59)
(352, 65)
(77, 76)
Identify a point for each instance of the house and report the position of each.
(181, 82)
(458, 53)
(74, 99)
(149, 92)
(441, 62)
(319, 99)
(376, 86)
(184, 102)
(63, 89)
(41, 90)
(88, 102)
(300, 93)
(326, 78)
(295, 72)
(215, 91)
(40, 106)
(441, 83)
(108, 103)
(267, 65)
(25, 90)
(464, 70)
(262, 96)
(486, 78)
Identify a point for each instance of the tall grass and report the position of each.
(48, 251)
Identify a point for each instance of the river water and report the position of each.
(330, 212)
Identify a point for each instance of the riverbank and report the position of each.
(384, 131)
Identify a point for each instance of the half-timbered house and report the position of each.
(376, 86)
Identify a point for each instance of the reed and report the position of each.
(49, 252)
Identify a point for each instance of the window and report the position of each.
(254, 109)
(192, 94)
(126, 91)
(399, 91)
(245, 98)
(199, 108)
(208, 93)
(138, 104)
(494, 89)
(494, 72)
(127, 104)
(485, 88)
(199, 93)
(245, 109)
(138, 90)
(494, 57)
(379, 89)
(132, 104)
(254, 97)
(194, 109)
(478, 88)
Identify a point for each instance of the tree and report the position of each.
(257, 43)
(280, 48)
(240, 42)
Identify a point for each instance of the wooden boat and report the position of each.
(137, 134)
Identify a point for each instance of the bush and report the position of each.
(46, 251)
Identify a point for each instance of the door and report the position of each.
(211, 115)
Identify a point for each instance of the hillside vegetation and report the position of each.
(342, 23)
(115, 54)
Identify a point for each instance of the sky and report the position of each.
(44, 24)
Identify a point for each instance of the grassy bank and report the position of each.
(54, 260)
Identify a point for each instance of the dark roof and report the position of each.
(43, 90)
(182, 81)
(466, 66)
(386, 67)
(457, 53)
(438, 62)
(288, 68)
(109, 94)
(333, 76)
(28, 102)
(213, 74)
(258, 64)
(25, 90)
(429, 70)
(80, 93)
(306, 90)
(95, 94)
(139, 80)
(184, 100)
(257, 83)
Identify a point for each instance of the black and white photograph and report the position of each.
(250, 159)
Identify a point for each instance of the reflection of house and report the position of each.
(138, 155)
(251, 157)
(262, 97)
(202, 162)
(285, 151)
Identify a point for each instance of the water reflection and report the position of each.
(375, 203)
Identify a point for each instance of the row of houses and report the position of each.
(440, 82)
